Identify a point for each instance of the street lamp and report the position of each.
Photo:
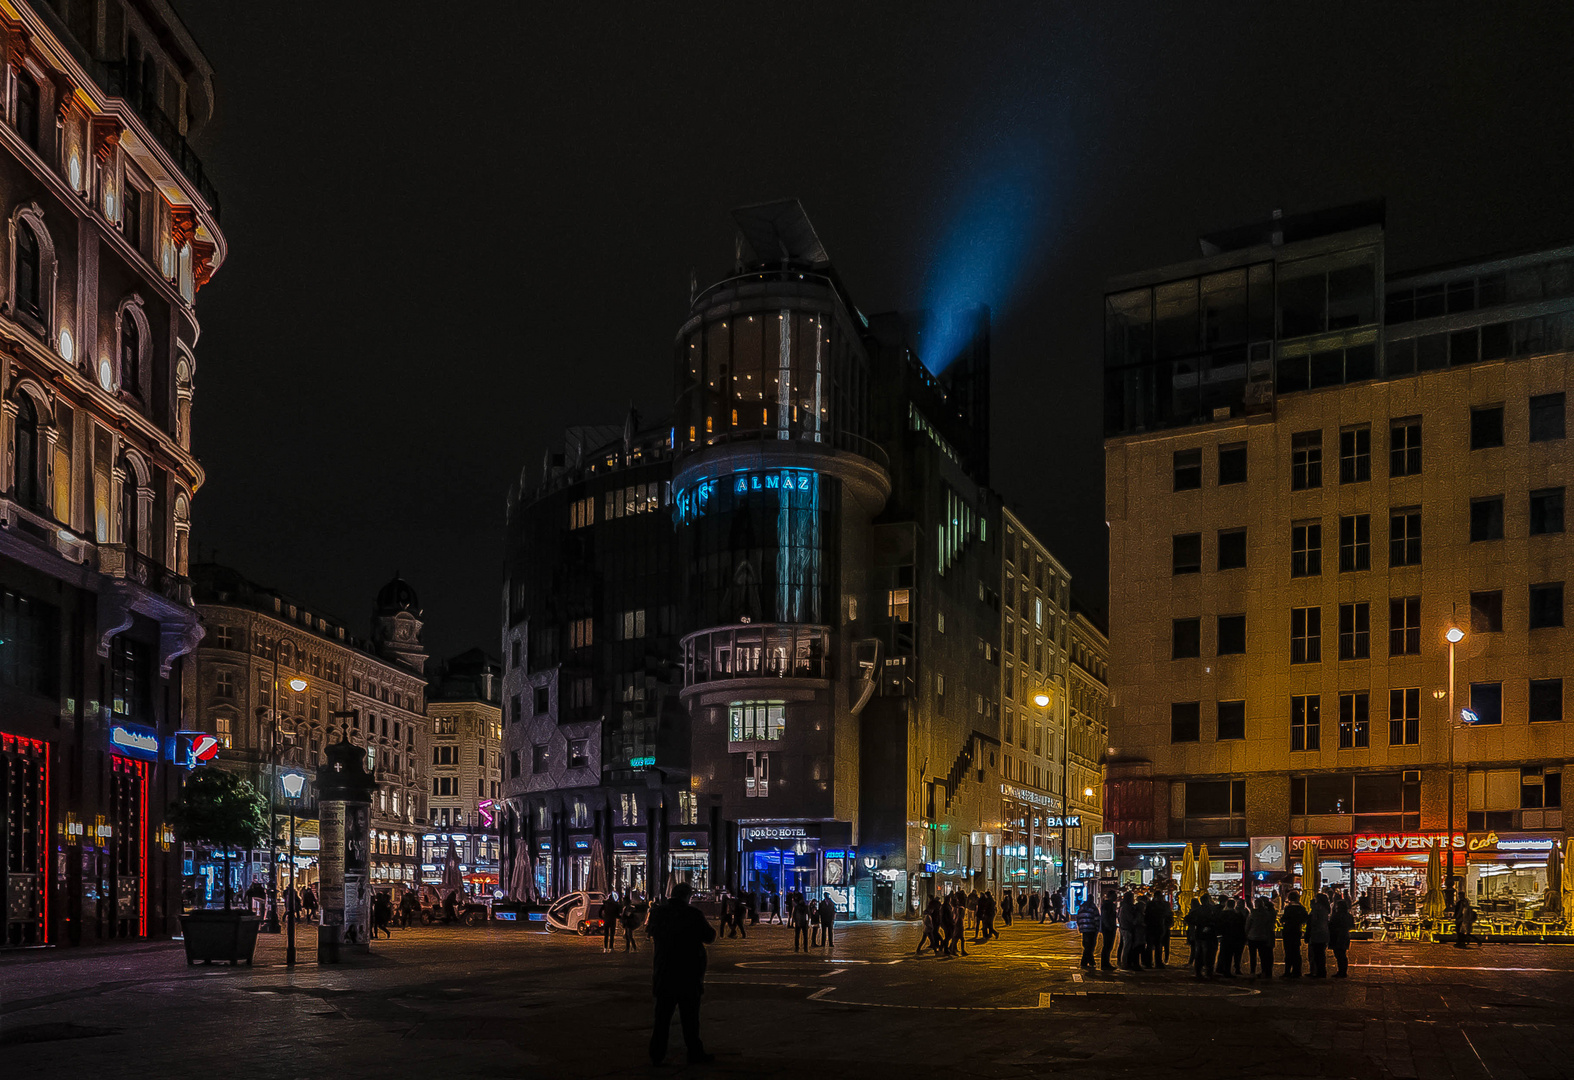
(298, 685)
(1042, 700)
(292, 783)
(1453, 635)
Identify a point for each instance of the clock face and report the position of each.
(402, 632)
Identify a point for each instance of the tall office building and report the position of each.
(1315, 469)
(111, 228)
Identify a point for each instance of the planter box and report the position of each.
(220, 935)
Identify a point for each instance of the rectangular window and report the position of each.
(1355, 631)
(224, 684)
(1306, 460)
(1486, 612)
(1186, 553)
(1404, 717)
(1486, 519)
(1546, 605)
(1306, 549)
(1546, 511)
(581, 512)
(1185, 721)
(1232, 549)
(1306, 719)
(1355, 542)
(538, 758)
(1486, 701)
(513, 764)
(578, 753)
(1232, 463)
(1404, 537)
(1232, 720)
(581, 633)
(1404, 447)
(1306, 635)
(898, 605)
(1546, 700)
(1546, 417)
(1188, 470)
(1354, 721)
(1215, 798)
(1486, 427)
(541, 697)
(1232, 635)
(1186, 639)
(1355, 455)
(757, 721)
(1404, 626)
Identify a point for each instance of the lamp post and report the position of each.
(1454, 635)
(297, 684)
(292, 784)
(1042, 700)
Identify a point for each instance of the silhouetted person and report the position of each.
(1292, 921)
(1339, 926)
(681, 933)
(611, 910)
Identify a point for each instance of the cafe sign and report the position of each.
(1512, 844)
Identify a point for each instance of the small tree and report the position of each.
(222, 809)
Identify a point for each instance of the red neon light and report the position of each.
(21, 744)
(142, 848)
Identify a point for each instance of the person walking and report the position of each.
(680, 932)
(1339, 926)
(945, 924)
(611, 911)
(1292, 922)
(827, 919)
(1088, 927)
(630, 919)
(1006, 904)
(382, 914)
(310, 898)
(409, 908)
(1464, 921)
(800, 923)
(956, 941)
(1317, 935)
(1259, 938)
(1032, 906)
(1109, 922)
(776, 907)
(987, 910)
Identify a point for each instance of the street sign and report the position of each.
(1104, 847)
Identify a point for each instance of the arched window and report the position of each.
(27, 109)
(29, 273)
(28, 490)
(130, 355)
(128, 508)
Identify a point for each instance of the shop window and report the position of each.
(1547, 415)
(1486, 427)
(1404, 626)
(1232, 463)
(1355, 636)
(1404, 447)
(1186, 553)
(1232, 720)
(1306, 635)
(1306, 460)
(1232, 635)
(1486, 612)
(1355, 455)
(1187, 470)
(1546, 606)
(1306, 549)
(1404, 537)
(1354, 721)
(1306, 713)
(1185, 722)
(1486, 701)
(1546, 700)
(1546, 511)
(1186, 639)
(1355, 543)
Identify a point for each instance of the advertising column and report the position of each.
(344, 800)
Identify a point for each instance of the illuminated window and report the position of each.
(581, 633)
(756, 721)
(224, 732)
(897, 605)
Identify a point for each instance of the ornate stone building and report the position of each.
(465, 721)
(108, 229)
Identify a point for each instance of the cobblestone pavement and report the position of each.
(503, 1002)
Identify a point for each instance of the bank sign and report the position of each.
(716, 493)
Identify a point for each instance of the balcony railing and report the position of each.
(111, 76)
(757, 651)
(117, 560)
(824, 442)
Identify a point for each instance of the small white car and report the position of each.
(576, 913)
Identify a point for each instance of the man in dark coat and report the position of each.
(1293, 921)
(681, 933)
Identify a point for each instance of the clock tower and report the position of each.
(396, 625)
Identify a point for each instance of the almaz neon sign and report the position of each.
(694, 501)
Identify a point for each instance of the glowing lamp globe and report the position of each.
(1041, 700)
(297, 684)
(1454, 635)
(293, 784)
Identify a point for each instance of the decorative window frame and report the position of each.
(143, 475)
(32, 215)
(131, 307)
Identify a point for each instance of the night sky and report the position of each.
(456, 228)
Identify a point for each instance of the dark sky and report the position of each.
(455, 229)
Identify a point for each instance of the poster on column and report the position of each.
(357, 894)
(330, 862)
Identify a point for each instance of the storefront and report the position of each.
(578, 861)
(543, 868)
(1507, 872)
(628, 864)
(1390, 868)
(1030, 840)
(1335, 868)
(689, 860)
(791, 858)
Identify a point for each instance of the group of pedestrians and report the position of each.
(624, 914)
(1137, 927)
(948, 918)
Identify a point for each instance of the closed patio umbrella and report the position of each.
(1568, 883)
(453, 877)
(522, 883)
(1555, 874)
(1435, 905)
(1204, 870)
(1310, 880)
(596, 880)
(1188, 882)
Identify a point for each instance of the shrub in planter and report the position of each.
(220, 809)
